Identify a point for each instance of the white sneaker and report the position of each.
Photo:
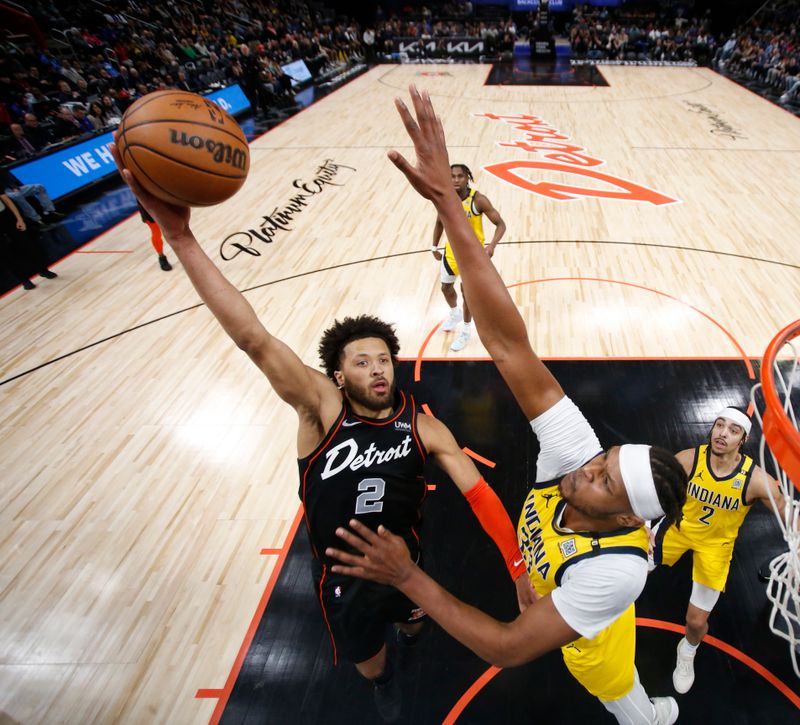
(461, 341)
(683, 676)
(666, 710)
(452, 320)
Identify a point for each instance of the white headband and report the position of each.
(737, 417)
(634, 464)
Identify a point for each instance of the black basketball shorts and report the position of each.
(357, 612)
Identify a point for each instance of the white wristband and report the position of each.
(434, 249)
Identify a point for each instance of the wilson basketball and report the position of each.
(184, 148)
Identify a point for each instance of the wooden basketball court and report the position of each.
(149, 474)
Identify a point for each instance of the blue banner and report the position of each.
(70, 169)
(231, 99)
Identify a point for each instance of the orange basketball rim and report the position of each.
(779, 429)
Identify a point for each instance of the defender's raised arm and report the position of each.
(497, 319)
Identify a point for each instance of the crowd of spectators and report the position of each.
(766, 50)
(594, 32)
(600, 33)
(107, 60)
(101, 59)
(498, 35)
(84, 63)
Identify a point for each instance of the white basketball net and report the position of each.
(783, 589)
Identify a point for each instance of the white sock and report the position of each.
(467, 327)
(688, 647)
(633, 709)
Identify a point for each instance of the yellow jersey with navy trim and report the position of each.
(549, 549)
(475, 219)
(715, 507)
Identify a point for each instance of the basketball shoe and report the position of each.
(683, 676)
(452, 320)
(463, 338)
(666, 710)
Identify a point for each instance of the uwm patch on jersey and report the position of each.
(367, 469)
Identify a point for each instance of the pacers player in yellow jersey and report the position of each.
(582, 529)
(723, 485)
(475, 205)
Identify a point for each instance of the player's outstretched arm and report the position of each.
(383, 557)
(497, 319)
(766, 489)
(295, 383)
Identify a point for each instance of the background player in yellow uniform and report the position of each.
(582, 525)
(723, 485)
(475, 205)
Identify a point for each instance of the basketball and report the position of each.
(183, 148)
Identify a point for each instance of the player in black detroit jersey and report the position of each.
(361, 446)
(368, 465)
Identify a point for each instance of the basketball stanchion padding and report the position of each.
(183, 148)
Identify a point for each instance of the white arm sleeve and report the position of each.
(594, 592)
(566, 440)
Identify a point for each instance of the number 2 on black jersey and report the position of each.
(370, 501)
